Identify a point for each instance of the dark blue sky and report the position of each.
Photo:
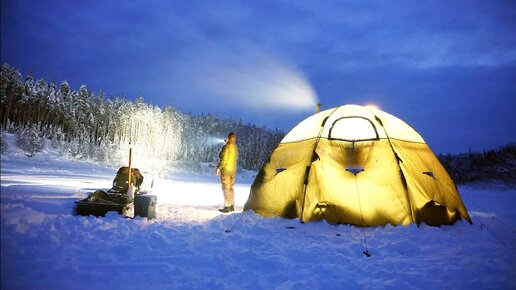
(448, 68)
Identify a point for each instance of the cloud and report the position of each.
(359, 35)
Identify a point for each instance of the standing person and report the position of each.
(227, 168)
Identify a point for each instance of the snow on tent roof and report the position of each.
(353, 123)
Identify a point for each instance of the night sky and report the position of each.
(448, 68)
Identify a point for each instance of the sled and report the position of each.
(99, 203)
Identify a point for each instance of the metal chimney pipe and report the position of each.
(317, 107)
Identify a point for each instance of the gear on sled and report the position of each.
(121, 181)
(99, 202)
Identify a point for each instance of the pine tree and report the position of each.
(3, 144)
(30, 140)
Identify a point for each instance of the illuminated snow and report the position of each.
(44, 246)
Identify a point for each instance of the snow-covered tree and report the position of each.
(493, 165)
(3, 144)
(11, 89)
(30, 140)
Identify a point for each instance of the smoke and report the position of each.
(265, 84)
(243, 77)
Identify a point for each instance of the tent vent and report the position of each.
(355, 170)
(281, 169)
(429, 173)
(320, 208)
(378, 120)
(322, 205)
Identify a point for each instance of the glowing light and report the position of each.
(214, 141)
(373, 106)
(353, 129)
(141, 159)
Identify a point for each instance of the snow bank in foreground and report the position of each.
(43, 246)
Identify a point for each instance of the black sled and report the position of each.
(99, 203)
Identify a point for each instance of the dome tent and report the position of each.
(356, 165)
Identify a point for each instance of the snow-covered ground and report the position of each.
(44, 246)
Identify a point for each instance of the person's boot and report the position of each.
(227, 209)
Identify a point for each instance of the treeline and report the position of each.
(200, 133)
(92, 125)
(494, 165)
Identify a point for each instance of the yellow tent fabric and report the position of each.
(356, 165)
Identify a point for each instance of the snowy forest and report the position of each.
(87, 125)
(492, 165)
(91, 125)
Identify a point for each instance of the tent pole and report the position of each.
(307, 172)
(409, 200)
